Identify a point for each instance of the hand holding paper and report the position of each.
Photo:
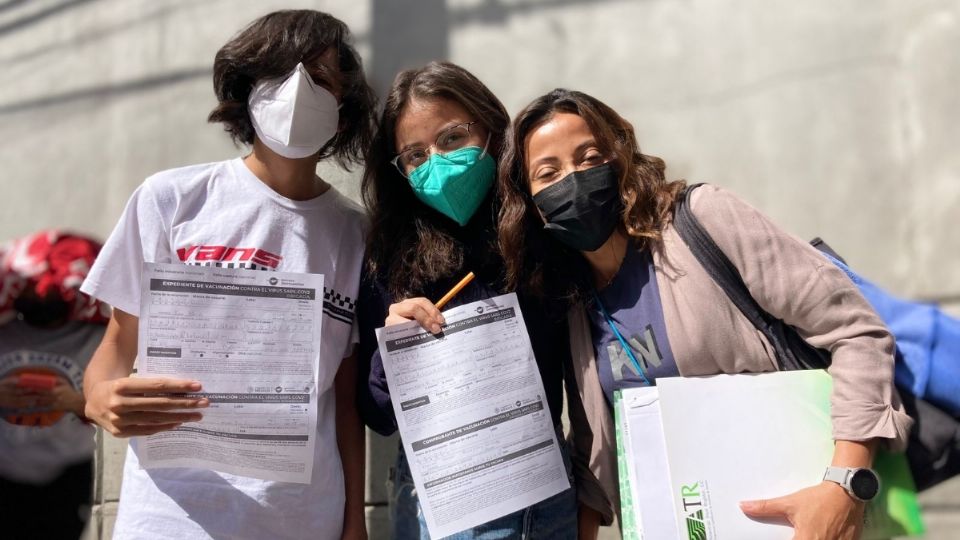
(473, 418)
(131, 406)
(254, 339)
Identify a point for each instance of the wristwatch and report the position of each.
(861, 483)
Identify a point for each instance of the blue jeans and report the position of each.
(552, 518)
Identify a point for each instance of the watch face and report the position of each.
(865, 484)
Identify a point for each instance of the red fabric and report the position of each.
(50, 261)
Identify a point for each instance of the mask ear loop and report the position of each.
(486, 145)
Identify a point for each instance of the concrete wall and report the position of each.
(838, 118)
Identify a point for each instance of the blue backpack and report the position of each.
(928, 343)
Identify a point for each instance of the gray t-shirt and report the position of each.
(36, 454)
(632, 302)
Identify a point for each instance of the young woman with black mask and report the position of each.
(586, 215)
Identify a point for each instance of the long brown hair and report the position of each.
(410, 245)
(534, 259)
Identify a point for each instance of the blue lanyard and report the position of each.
(623, 342)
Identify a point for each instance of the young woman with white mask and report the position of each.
(291, 86)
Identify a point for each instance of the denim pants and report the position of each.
(552, 518)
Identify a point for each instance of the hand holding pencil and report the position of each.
(423, 310)
(456, 288)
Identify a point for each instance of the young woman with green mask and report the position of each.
(428, 188)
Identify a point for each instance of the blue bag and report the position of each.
(928, 344)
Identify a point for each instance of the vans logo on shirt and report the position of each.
(648, 353)
(201, 254)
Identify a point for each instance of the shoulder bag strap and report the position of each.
(791, 350)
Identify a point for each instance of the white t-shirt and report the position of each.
(221, 214)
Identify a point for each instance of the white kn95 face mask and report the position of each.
(292, 115)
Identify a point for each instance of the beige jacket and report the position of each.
(709, 335)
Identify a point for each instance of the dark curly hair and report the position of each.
(271, 47)
(410, 245)
(536, 261)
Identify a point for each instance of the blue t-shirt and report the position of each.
(632, 301)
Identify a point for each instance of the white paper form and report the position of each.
(252, 339)
(473, 415)
(647, 467)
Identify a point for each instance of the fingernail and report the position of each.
(435, 328)
(441, 320)
(203, 403)
(195, 386)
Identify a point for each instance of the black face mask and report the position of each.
(583, 208)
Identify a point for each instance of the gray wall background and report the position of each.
(838, 118)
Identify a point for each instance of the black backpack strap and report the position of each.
(825, 248)
(791, 350)
(714, 260)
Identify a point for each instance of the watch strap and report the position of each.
(839, 475)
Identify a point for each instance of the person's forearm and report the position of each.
(854, 453)
(351, 441)
(588, 523)
(114, 357)
(105, 365)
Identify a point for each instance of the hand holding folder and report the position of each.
(731, 438)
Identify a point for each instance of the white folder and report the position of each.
(696, 447)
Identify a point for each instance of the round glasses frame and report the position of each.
(437, 146)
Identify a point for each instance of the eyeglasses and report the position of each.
(450, 139)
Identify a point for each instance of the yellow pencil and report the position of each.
(456, 288)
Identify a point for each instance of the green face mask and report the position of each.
(455, 184)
